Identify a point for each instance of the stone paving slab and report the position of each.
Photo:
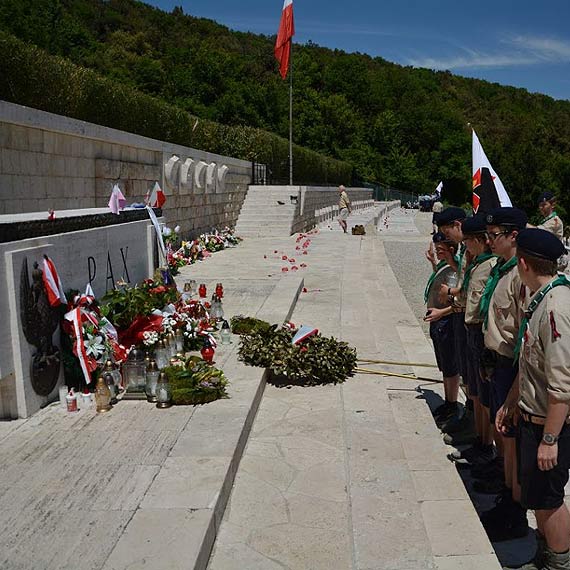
(365, 453)
(138, 487)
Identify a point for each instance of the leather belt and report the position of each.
(538, 420)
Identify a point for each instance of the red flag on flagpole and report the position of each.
(284, 35)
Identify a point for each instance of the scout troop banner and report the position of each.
(488, 190)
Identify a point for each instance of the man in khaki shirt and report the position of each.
(344, 207)
(543, 435)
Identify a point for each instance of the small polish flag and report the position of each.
(117, 200)
(54, 290)
(303, 333)
(157, 197)
(284, 38)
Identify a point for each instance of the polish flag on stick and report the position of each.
(157, 198)
(54, 290)
(284, 37)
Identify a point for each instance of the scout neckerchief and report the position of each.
(459, 257)
(432, 277)
(553, 215)
(470, 268)
(497, 272)
(560, 280)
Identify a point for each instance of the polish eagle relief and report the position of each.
(39, 322)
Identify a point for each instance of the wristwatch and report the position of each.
(549, 438)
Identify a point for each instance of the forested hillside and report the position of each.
(405, 127)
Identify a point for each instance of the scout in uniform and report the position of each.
(543, 430)
(441, 331)
(502, 305)
(476, 276)
(458, 428)
(551, 220)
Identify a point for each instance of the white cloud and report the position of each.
(519, 51)
(544, 49)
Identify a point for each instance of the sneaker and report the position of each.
(480, 455)
(465, 437)
(443, 409)
(487, 471)
(453, 411)
(507, 530)
(489, 487)
(456, 424)
(504, 504)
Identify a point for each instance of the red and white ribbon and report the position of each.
(75, 318)
(54, 290)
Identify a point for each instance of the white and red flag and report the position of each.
(488, 190)
(52, 283)
(157, 197)
(284, 38)
(304, 332)
(117, 201)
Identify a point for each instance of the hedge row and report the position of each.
(33, 78)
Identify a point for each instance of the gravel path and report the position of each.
(408, 262)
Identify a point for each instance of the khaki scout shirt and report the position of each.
(505, 314)
(554, 226)
(477, 283)
(460, 300)
(344, 202)
(545, 360)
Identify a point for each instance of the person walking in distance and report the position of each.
(344, 207)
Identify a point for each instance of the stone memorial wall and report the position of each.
(49, 161)
(103, 253)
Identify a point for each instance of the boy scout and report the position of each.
(551, 220)
(476, 276)
(543, 431)
(502, 306)
(458, 427)
(441, 331)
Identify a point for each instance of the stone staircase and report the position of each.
(263, 216)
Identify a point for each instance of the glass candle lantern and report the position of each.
(226, 333)
(161, 355)
(219, 290)
(116, 373)
(102, 393)
(163, 392)
(207, 351)
(152, 373)
(135, 371)
(202, 291)
(179, 341)
(172, 344)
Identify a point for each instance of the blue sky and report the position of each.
(522, 43)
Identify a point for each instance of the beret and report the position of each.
(507, 216)
(546, 197)
(450, 215)
(540, 243)
(438, 237)
(474, 225)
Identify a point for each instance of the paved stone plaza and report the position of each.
(352, 476)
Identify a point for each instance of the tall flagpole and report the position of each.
(291, 112)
